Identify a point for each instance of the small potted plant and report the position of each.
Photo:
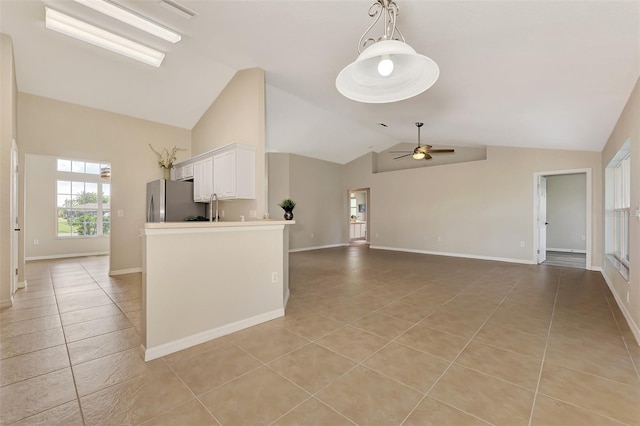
(288, 205)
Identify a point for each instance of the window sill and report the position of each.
(621, 267)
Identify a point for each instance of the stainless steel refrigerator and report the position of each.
(171, 201)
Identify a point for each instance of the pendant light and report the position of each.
(388, 70)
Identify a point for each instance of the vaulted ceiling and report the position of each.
(548, 74)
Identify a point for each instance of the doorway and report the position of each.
(562, 218)
(359, 212)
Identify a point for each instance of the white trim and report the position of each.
(563, 250)
(596, 269)
(463, 255)
(589, 206)
(318, 247)
(125, 271)
(286, 298)
(205, 336)
(22, 284)
(64, 256)
(627, 316)
(6, 303)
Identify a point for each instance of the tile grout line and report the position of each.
(426, 394)
(546, 345)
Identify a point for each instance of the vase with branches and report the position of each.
(166, 158)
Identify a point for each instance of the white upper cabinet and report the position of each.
(203, 180)
(234, 173)
(229, 172)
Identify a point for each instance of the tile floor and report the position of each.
(370, 338)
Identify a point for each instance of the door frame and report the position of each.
(15, 221)
(367, 192)
(589, 202)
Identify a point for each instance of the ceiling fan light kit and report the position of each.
(421, 152)
(388, 70)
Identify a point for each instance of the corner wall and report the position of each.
(8, 133)
(627, 128)
(315, 187)
(237, 115)
(481, 209)
(55, 128)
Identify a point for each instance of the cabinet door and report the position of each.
(224, 174)
(207, 178)
(187, 171)
(197, 181)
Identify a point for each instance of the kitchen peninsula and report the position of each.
(203, 280)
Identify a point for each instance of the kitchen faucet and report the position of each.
(213, 218)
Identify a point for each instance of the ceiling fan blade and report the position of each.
(442, 150)
(427, 157)
(398, 152)
(402, 156)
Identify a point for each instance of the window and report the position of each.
(353, 208)
(618, 203)
(83, 199)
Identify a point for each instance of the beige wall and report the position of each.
(237, 115)
(566, 213)
(628, 128)
(315, 187)
(41, 216)
(54, 128)
(8, 132)
(480, 209)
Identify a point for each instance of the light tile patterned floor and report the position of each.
(370, 338)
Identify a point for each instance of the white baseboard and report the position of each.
(632, 325)
(205, 336)
(22, 284)
(596, 268)
(6, 303)
(125, 271)
(318, 247)
(466, 256)
(65, 256)
(563, 250)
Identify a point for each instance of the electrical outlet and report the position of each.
(312, 235)
(521, 243)
(120, 213)
(583, 238)
(252, 213)
(377, 235)
(439, 238)
(274, 277)
(36, 242)
(221, 213)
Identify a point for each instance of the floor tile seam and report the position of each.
(459, 409)
(452, 362)
(4, 321)
(31, 352)
(320, 402)
(35, 376)
(508, 350)
(71, 369)
(20, 301)
(77, 342)
(624, 341)
(102, 356)
(94, 319)
(484, 373)
(597, 376)
(555, 398)
(86, 307)
(544, 352)
(40, 412)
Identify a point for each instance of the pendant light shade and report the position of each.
(367, 80)
(388, 70)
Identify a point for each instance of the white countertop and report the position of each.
(223, 224)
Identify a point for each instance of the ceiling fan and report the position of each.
(421, 152)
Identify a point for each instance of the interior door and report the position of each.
(542, 219)
(14, 217)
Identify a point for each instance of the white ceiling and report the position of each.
(548, 74)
